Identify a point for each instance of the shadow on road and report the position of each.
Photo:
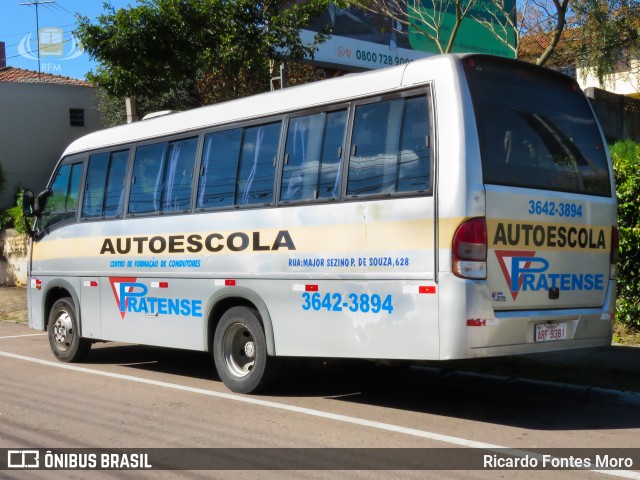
(155, 359)
(404, 388)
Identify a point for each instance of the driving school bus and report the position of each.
(455, 207)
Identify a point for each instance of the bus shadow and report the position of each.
(474, 398)
(402, 388)
(155, 359)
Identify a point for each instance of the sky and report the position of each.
(57, 21)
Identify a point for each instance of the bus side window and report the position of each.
(332, 155)
(312, 156)
(414, 164)
(94, 186)
(146, 184)
(62, 205)
(104, 188)
(217, 184)
(114, 192)
(178, 175)
(374, 148)
(162, 177)
(257, 164)
(390, 148)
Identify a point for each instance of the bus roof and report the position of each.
(272, 103)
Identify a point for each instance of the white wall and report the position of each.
(622, 83)
(34, 130)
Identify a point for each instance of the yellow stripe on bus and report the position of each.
(378, 236)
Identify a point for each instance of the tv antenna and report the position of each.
(37, 3)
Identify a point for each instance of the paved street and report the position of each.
(128, 396)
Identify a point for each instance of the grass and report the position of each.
(625, 335)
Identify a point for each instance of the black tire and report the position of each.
(240, 352)
(64, 334)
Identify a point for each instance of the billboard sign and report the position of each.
(362, 40)
(475, 35)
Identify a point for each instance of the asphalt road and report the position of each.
(134, 397)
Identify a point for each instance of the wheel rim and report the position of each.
(239, 349)
(63, 332)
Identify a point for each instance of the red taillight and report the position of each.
(470, 240)
(469, 249)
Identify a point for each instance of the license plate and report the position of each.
(550, 332)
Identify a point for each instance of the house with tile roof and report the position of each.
(40, 114)
(625, 80)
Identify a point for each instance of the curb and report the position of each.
(589, 394)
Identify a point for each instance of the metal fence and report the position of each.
(619, 115)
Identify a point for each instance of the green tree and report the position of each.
(13, 218)
(626, 162)
(599, 35)
(609, 35)
(113, 112)
(191, 52)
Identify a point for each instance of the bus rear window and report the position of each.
(536, 129)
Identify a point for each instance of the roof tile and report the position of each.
(20, 75)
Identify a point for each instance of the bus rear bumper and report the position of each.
(484, 332)
(514, 333)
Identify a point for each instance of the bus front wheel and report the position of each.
(240, 352)
(64, 334)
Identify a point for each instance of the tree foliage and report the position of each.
(113, 112)
(189, 52)
(626, 167)
(598, 35)
(609, 34)
(13, 217)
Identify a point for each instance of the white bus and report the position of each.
(455, 207)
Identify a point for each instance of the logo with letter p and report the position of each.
(523, 266)
(130, 290)
(121, 287)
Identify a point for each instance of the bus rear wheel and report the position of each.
(64, 334)
(240, 352)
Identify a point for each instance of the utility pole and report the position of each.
(37, 3)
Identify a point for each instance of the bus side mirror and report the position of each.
(28, 202)
(41, 202)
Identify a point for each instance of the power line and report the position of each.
(59, 7)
